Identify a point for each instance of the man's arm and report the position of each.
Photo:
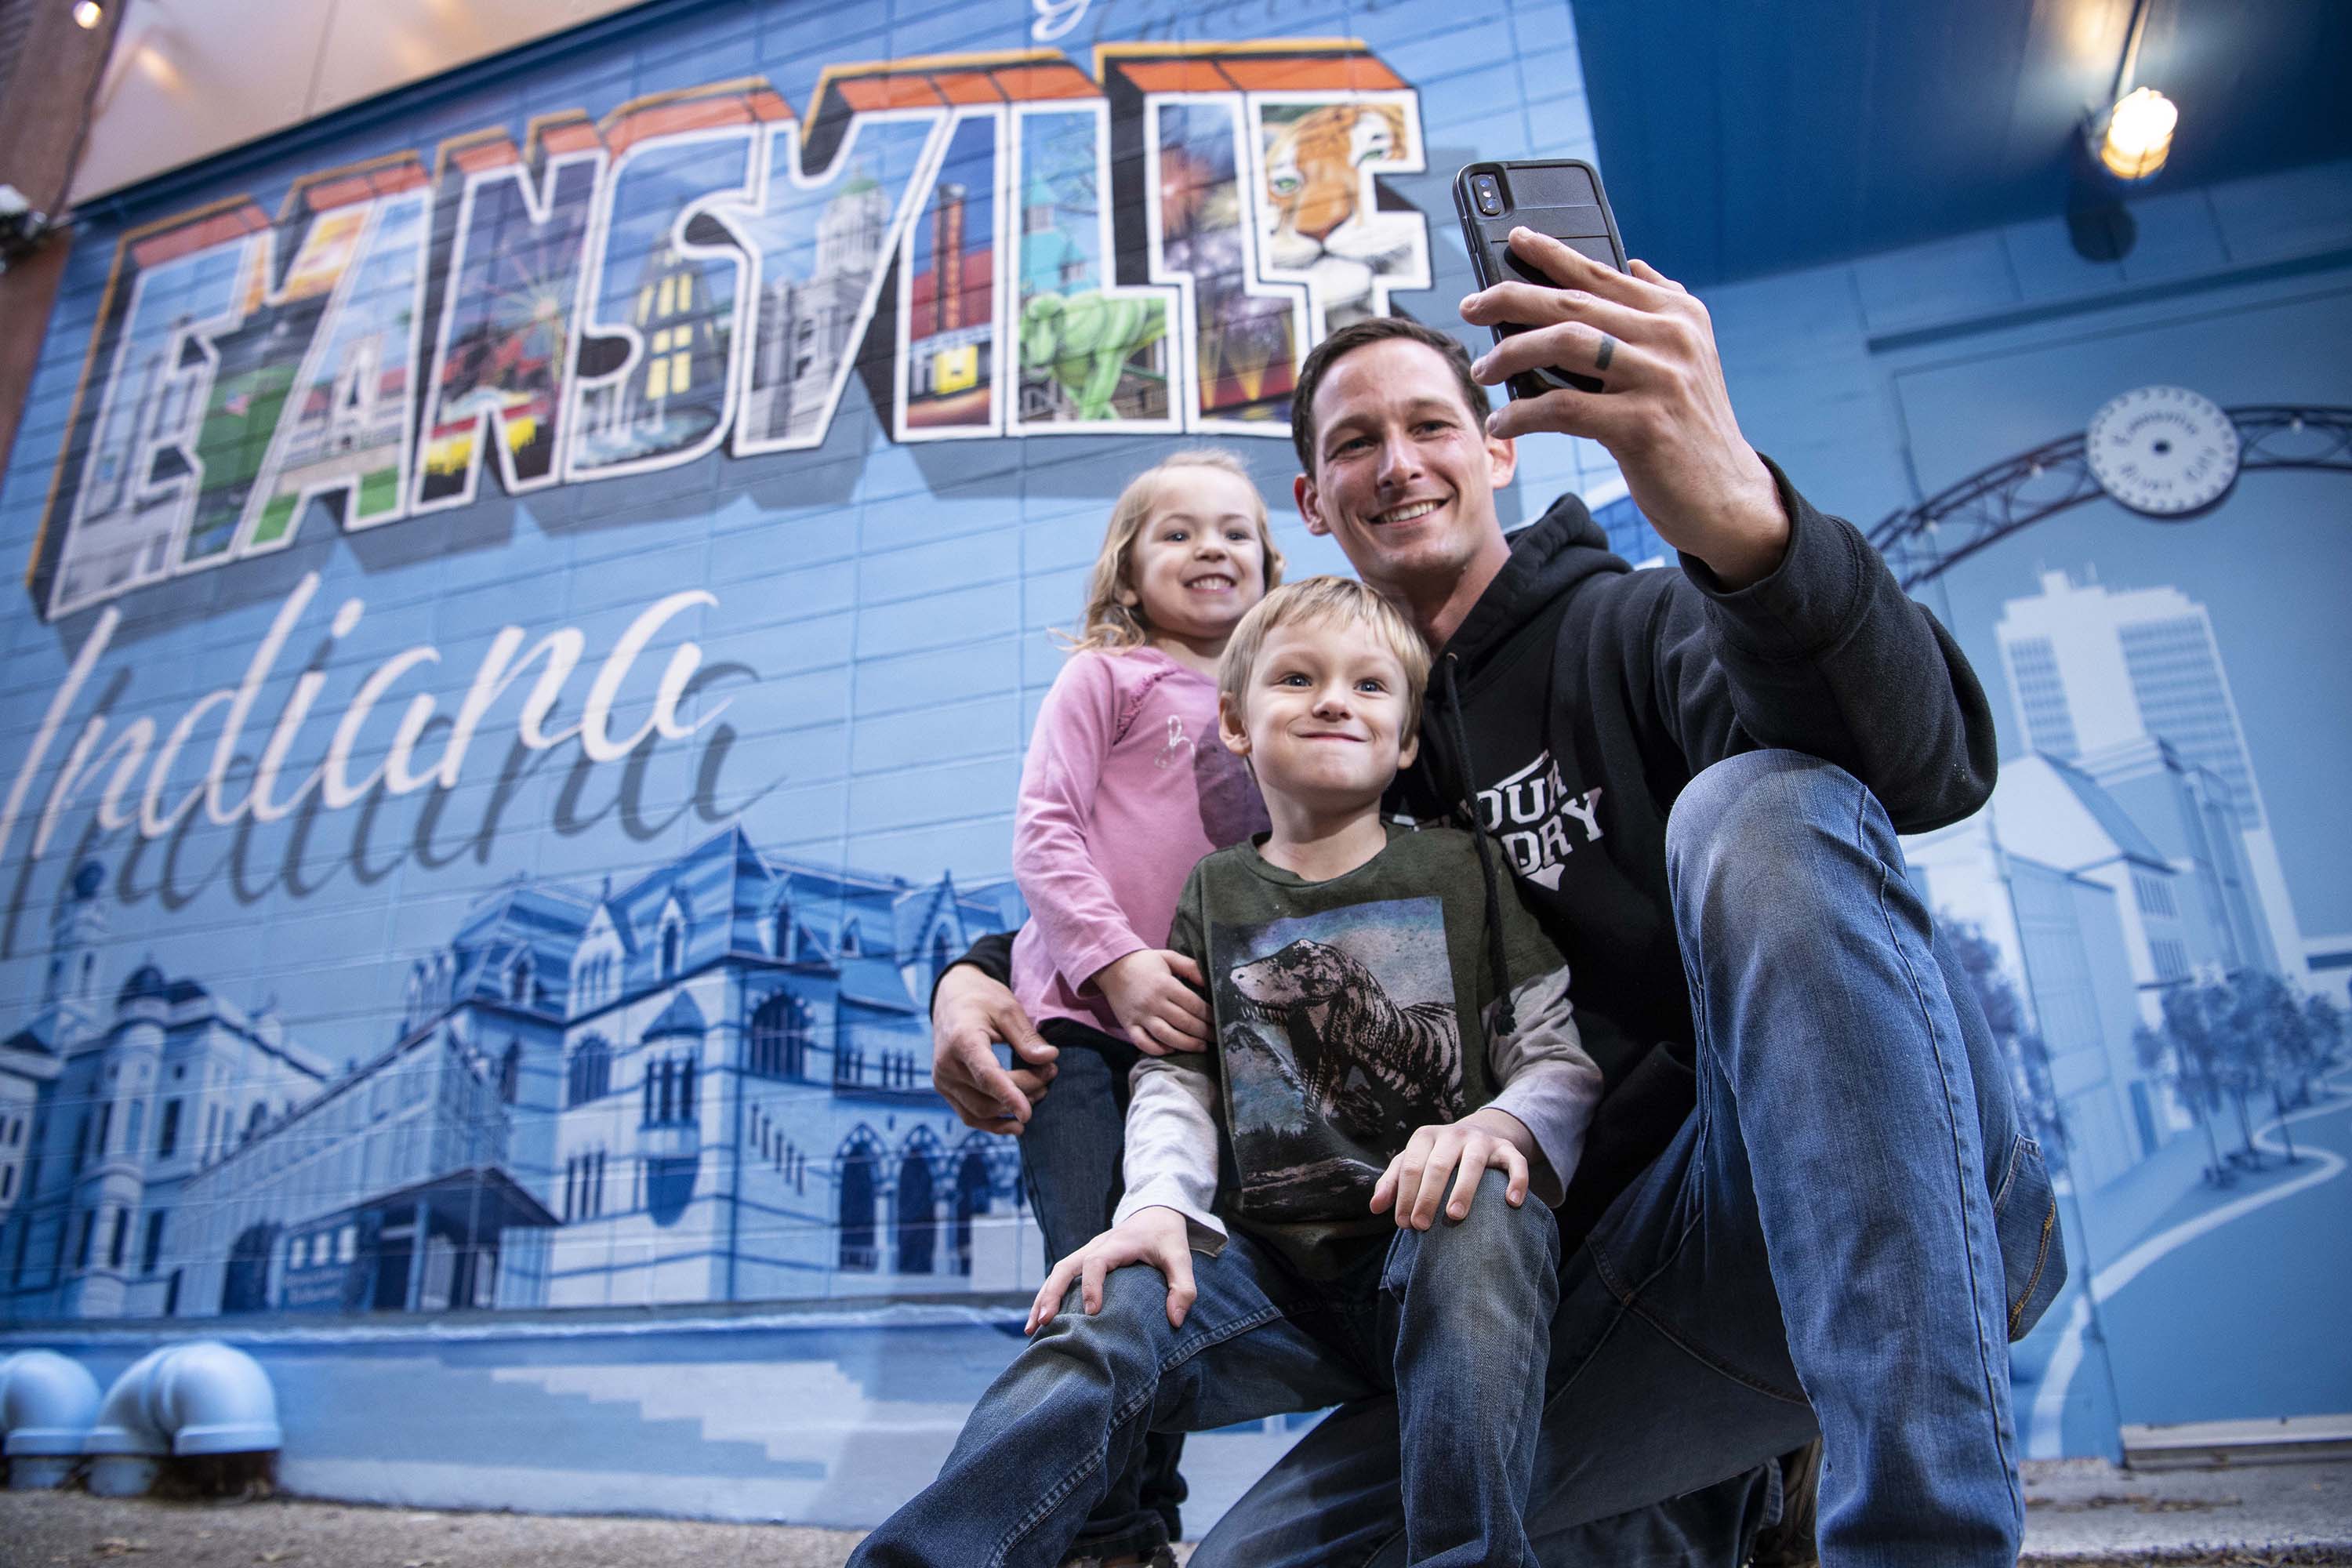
(1785, 628)
(1546, 1080)
(1829, 656)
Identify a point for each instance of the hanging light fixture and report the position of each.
(2139, 134)
(88, 14)
(2134, 137)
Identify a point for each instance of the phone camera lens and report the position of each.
(1489, 195)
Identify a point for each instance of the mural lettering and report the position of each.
(702, 270)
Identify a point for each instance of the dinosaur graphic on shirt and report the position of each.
(1362, 1061)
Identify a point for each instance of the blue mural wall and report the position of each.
(2138, 475)
(534, 593)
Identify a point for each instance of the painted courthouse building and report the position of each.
(712, 1084)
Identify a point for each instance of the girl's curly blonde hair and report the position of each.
(1110, 627)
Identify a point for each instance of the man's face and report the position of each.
(1322, 721)
(1404, 474)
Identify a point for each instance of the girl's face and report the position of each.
(1199, 562)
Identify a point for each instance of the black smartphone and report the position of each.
(1559, 196)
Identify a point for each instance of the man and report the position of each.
(1805, 1203)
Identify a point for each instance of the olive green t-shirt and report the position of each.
(1347, 1013)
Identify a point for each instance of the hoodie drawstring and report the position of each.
(1506, 1019)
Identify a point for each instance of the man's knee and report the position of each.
(1762, 829)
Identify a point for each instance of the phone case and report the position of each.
(1559, 196)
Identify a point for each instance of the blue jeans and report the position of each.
(1451, 1320)
(1843, 1237)
(1070, 1167)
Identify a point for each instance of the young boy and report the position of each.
(1392, 1036)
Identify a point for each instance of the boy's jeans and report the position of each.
(1452, 1319)
(1855, 1113)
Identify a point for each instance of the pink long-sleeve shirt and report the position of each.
(1124, 788)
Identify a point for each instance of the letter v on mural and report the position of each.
(999, 245)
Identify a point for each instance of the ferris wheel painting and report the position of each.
(2142, 536)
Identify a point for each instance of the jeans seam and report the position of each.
(1674, 1336)
(2008, 1174)
(1184, 1351)
(2041, 1261)
(1862, 838)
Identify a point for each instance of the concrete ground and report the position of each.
(2080, 1513)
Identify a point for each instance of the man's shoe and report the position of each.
(1789, 1543)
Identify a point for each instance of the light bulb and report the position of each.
(2139, 134)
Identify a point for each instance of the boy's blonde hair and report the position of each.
(1324, 599)
(1108, 626)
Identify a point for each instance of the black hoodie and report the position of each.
(1589, 694)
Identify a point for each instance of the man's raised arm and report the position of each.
(1785, 628)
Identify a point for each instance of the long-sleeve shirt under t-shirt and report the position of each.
(1350, 1013)
(1124, 788)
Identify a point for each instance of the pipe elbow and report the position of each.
(47, 1403)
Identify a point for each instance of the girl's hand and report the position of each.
(1415, 1182)
(1151, 991)
(1159, 1237)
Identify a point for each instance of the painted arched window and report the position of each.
(519, 978)
(859, 1177)
(917, 1216)
(783, 932)
(918, 1228)
(971, 1192)
(589, 1076)
(942, 950)
(673, 943)
(780, 1034)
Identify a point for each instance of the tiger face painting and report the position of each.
(1322, 221)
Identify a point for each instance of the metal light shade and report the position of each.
(2139, 134)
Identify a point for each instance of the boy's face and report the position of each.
(1322, 720)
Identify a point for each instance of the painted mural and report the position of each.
(532, 609)
(702, 270)
(435, 889)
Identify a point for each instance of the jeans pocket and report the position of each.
(2025, 1220)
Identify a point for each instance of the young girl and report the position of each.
(1126, 787)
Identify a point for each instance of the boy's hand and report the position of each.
(1151, 991)
(1159, 1237)
(1415, 1182)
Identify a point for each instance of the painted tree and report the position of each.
(2028, 1054)
(2324, 1021)
(2181, 1053)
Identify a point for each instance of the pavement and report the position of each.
(2080, 1513)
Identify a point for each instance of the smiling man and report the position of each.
(1805, 1203)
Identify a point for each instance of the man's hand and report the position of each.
(1415, 1182)
(969, 1013)
(1159, 1237)
(1149, 991)
(1665, 415)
